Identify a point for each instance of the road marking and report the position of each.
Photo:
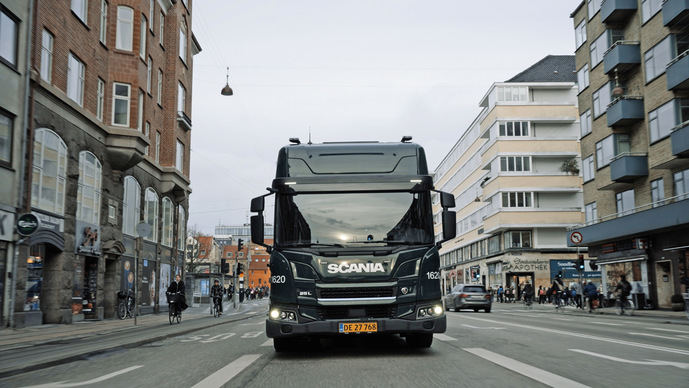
(444, 337)
(528, 315)
(92, 381)
(606, 323)
(268, 343)
(252, 324)
(487, 327)
(560, 319)
(224, 375)
(681, 365)
(655, 335)
(219, 337)
(195, 338)
(252, 334)
(669, 330)
(529, 371)
(587, 336)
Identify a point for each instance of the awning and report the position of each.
(620, 260)
(48, 236)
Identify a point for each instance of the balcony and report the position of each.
(680, 140)
(677, 72)
(614, 11)
(184, 120)
(675, 12)
(628, 167)
(623, 55)
(126, 147)
(625, 110)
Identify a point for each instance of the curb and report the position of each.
(75, 357)
(664, 318)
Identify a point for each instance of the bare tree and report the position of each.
(193, 249)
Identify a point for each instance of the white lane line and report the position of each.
(92, 381)
(485, 327)
(654, 335)
(226, 373)
(252, 324)
(268, 343)
(540, 375)
(587, 336)
(443, 337)
(670, 330)
(606, 323)
(528, 315)
(560, 319)
(681, 365)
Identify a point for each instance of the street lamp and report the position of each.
(227, 90)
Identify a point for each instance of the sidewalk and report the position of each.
(675, 316)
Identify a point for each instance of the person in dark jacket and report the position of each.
(176, 292)
(216, 294)
(527, 292)
(623, 290)
(591, 292)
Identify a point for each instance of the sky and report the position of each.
(346, 70)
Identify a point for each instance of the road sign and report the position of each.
(576, 238)
(27, 224)
(143, 229)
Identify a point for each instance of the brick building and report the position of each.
(110, 121)
(258, 271)
(633, 76)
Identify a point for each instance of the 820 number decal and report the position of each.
(277, 279)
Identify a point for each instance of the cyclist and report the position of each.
(623, 289)
(557, 288)
(528, 294)
(176, 288)
(216, 294)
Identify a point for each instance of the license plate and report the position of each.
(359, 327)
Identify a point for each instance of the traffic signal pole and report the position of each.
(581, 285)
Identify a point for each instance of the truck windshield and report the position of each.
(354, 219)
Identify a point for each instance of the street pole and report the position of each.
(139, 243)
(581, 286)
(235, 296)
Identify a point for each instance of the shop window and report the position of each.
(49, 172)
(34, 277)
(89, 188)
(131, 206)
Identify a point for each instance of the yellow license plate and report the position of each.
(359, 327)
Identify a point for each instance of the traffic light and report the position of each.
(593, 265)
(239, 270)
(559, 274)
(240, 244)
(224, 266)
(580, 262)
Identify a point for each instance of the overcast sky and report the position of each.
(349, 70)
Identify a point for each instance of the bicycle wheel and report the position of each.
(121, 310)
(179, 317)
(171, 314)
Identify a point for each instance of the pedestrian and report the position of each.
(500, 293)
(541, 294)
(527, 292)
(591, 293)
(623, 289)
(557, 288)
(565, 295)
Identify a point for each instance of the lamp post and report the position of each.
(227, 90)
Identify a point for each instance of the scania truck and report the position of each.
(354, 248)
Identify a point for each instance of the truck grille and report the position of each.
(341, 312)
(359, 292)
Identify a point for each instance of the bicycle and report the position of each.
(173, 314)
(216, 307)
(527, 302)
(125, 304)
(628, 305)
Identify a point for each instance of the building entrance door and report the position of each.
(517, 280)
(665, 284)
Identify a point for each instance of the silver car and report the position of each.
(468, 296)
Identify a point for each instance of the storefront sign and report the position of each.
(6, 224)
(569, 270)
(49, 222)
(88, 239)
(523, 265)
(27, 224)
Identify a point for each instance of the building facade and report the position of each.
(110, 127)
(633, 70)
(15, 21)
(514, 173)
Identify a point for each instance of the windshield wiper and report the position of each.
(297, 245)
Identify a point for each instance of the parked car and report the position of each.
(468, 296)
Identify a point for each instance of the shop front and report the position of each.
(635, 269)
(86, 296)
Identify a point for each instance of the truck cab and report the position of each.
(354, 249)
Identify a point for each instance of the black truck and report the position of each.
(354, 249)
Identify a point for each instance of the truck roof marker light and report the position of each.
(415, 180)
(290, 183)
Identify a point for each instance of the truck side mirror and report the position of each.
(258, 204)
(257, 227)
(447, 200)
(449, 224)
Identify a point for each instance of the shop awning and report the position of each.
(48, 236)
(620, 260)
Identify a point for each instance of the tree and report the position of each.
(193, 249)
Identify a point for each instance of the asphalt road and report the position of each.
(509, 347)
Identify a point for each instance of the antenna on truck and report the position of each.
(406, 139)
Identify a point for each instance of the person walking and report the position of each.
(591, 293)
(557, 287)
(527, 293)
(500, 294)
(623, 289)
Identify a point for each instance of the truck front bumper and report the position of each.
(277, 329)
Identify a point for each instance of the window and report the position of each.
(49, 172)
(625, 202)
(650, 8)
(142, 38)
(518, 239)
(125, 28)
(80, 8)
(585, 123)
(181, 227)
(151, 12)
(88, 190)
(494, 244)
(8, 38)
(149, 69)
(161, 26)
(131, 206)
(179, 156)
(181, 97)
(140, 113)
(662, 120)
(580, 34)
(120, 104)
(159, 96)
(75, 79)
(166, 238)
(100, 99)
(515, 163)
(657, 58)
(157, 146)
(46, 56)
(589, 169)
(591, 211)
(601, 99)
(183, 42)
(513, 93)
(514, 128)
(151, 213)
(517, 199)
(240, 254)
(611, 146)
(147, 132)
(229, 254)
(602, 44)
(6, 128)
(103, 21)
(594, 7)
(681, 180)
(657, 192)
(583, 78)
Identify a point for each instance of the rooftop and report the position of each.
(552, 68)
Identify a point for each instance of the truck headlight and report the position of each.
(277, 314)
(429, 312)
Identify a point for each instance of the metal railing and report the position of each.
(621, 43)
(678, 58)
(623, 154)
